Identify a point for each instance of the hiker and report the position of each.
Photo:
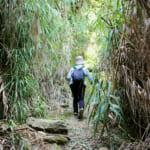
(78, 84)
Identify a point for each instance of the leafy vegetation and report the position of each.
(103, 105)
(40, 39)
(16, 60)
(132, 70)
(46, 36)
(126, 56)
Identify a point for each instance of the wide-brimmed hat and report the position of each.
(79, 60)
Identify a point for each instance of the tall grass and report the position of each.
(102, 104)
(102, 101)
(126, 57)
(37, 44)
(133, 66)
(16, 59)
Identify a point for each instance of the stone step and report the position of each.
(49, 126)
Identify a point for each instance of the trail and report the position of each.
(80, 134)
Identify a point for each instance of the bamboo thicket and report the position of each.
(133, 64)
(38, 39)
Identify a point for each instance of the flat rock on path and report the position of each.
(103, 148)
(53, 147)
(50, 126)
(59, 139)
(48, 147)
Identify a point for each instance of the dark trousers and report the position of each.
(78, 92)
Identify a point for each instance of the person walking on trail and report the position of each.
(78, 84)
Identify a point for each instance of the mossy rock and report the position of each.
(59, 139)
(49, 126)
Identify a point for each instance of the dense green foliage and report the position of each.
(105, 106)
(126, 56)
(38, 41)
(16, 60)
(102, 103)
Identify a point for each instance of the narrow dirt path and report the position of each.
(80, 134)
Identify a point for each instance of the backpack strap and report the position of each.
(82, 67)
(79, 69)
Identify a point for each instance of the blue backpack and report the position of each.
(78, 75)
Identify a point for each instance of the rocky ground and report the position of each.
(62, 131)
(57, 133)
(81, 135)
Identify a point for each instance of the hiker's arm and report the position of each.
(87, 73)
(69, 76)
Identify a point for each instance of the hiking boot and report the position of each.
(75, 114)
(80, 113)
